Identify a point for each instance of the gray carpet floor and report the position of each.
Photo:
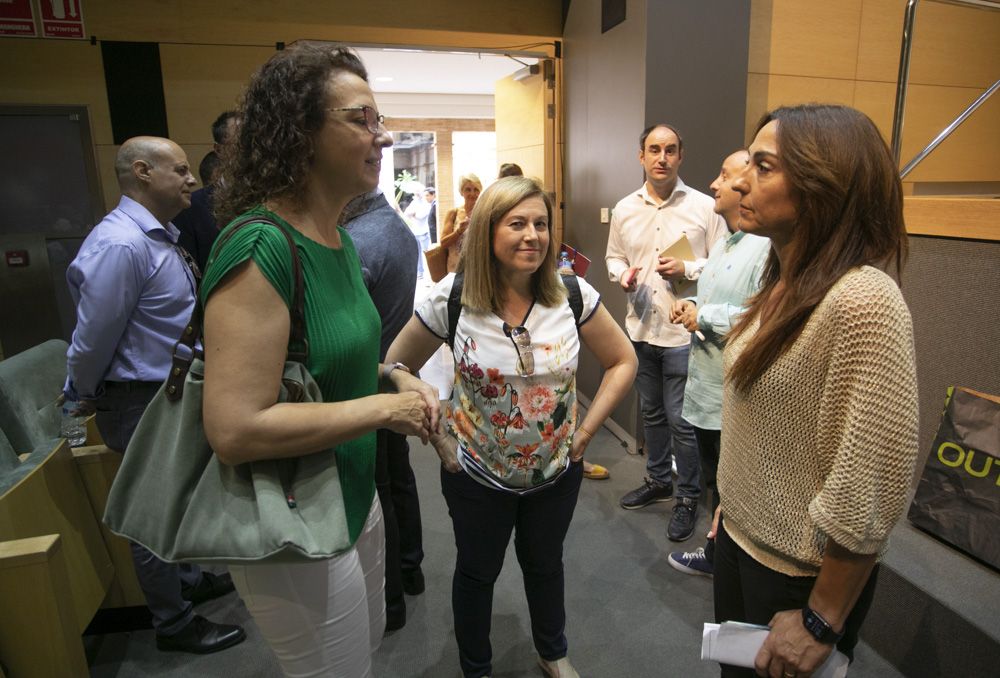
(629, 613)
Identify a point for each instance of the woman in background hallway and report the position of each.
(456, 222)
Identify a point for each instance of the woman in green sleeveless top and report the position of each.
(309, 140)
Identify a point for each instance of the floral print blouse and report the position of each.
(514, 432)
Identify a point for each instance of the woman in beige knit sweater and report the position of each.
(819, 413)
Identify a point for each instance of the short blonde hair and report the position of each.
(469, 178)
(480, 290)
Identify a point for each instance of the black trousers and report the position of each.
(749, 592)
(397, 492)
(709, 443)
(483, 519)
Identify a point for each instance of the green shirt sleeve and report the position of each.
(261, 242)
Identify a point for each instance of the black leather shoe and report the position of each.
(682, 522)
(413, 582)
(202, 637)
(649, 493)
(210, 587)
(395, 615)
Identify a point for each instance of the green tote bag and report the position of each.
(173, 495)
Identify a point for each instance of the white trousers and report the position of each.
(324, 618)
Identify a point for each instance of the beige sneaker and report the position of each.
(560, 668)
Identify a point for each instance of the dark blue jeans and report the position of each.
(118, 414)
(483, 519)
(660, 382)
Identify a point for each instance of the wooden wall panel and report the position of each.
(848, 52)
(952, 46)
(251, 21)
(765, 92)
(201, 81)
(56, 72)
(520, 123)
(818, 39)
(971, 153)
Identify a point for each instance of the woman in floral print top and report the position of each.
(512, 449)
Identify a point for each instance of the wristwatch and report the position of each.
(819, 627)
(389, 367)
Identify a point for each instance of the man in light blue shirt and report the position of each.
(730, 277)
(134, 294)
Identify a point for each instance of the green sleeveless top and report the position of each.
(342, 326)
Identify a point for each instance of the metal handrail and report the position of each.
(902, 79)
(896, 144)
(943, 134)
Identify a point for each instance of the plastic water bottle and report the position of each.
(74, 426)
(565, 266)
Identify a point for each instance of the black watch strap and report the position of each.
(819, 627)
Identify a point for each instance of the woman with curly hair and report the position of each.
(819, 413)
(512, 458)
(310, 139)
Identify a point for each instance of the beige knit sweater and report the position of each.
(824, 443)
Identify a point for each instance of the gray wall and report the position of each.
(950, 287)
(605, 78)
(696, 78)
(684, 62)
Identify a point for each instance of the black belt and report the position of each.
(131, 386)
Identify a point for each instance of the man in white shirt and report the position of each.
(418, 213)
(644, 224)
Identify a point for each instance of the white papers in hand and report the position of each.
(737, 644)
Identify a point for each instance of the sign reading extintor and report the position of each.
(62, 19)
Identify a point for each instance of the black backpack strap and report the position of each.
(575, 298)
(454, 307)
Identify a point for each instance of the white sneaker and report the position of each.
(560, 668)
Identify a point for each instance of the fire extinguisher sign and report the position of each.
(62, 19)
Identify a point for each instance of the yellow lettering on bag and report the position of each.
(986, 466)
(948, 462)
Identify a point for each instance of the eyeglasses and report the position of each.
(372, 117)
(521, 339)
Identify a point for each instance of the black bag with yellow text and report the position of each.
(958, 496)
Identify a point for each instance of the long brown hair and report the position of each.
(481, 289)
(280, 113)
(850, 213)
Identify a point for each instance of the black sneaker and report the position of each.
(650, 492)
(682, 522)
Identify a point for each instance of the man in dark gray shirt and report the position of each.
(388, 252)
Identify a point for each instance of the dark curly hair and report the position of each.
(280, 113)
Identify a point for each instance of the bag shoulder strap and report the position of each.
(298, 343)
(454, 307)
(574, 296)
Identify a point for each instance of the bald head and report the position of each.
(727, 200)
(155, 172)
